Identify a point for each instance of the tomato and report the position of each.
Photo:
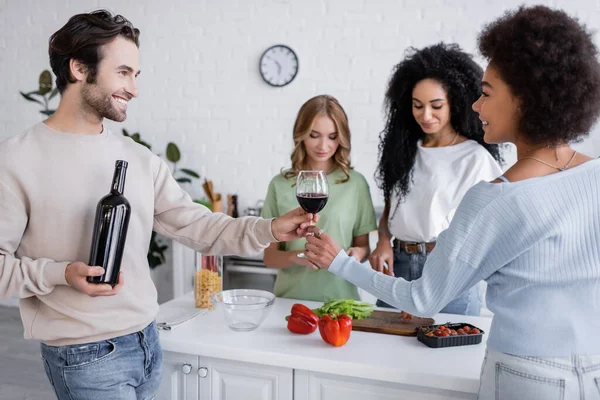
(466, 328)
(445, 333)
(438, 332)
(405, 317)
(474, 331)
(460, 332)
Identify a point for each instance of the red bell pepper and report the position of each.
(335, 329)
(303, 320)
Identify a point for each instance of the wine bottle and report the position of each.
(234, 206)
(110, 229)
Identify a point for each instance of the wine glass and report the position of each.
(312, 192)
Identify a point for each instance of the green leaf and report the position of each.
(47, 112)
(45, 82)
(354, 309)
(173, 153)
(27, 96)
(154, 261)
(184, 180)
(53, 94)
(156, 251)
(137, 138)
(204, 203)
(189, 172)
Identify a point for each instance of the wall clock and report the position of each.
(278, 65)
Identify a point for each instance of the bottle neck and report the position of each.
(118, 185)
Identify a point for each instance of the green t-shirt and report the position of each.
(349, 213)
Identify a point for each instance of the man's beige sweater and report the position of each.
(50, 184)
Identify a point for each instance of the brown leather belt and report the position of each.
(413, 247)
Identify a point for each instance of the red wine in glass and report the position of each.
(312, 192)
(312, 202)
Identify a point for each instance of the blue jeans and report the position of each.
(507, 377)
(126, 368)
(410, 267)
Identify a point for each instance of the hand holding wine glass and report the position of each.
(293, 225)
(312, 192)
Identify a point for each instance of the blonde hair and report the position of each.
(322, 105)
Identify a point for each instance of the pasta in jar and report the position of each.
(208, 281)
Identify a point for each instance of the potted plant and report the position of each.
(44, 93)
(156, 252)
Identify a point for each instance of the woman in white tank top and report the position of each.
(431, 152)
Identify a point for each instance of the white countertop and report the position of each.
(381, 357)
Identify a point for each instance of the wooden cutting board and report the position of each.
(388, 322)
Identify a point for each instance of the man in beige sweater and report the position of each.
(99, 342)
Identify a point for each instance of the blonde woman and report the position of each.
(321, 142)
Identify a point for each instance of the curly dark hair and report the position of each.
(548, 60)
(80, 39)
(460, 77)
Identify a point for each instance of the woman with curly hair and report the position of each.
(431, 152)
(321, 142)
(532, 234)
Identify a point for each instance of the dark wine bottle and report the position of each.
(110, 229)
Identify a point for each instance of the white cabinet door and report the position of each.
(234, 380)
(180, 377)
(319, 386)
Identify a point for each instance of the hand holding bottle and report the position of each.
(77, 273)
(110, 229)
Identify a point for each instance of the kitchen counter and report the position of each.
(402, 361)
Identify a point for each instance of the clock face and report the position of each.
(278, 65)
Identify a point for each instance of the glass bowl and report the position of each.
(244, 309)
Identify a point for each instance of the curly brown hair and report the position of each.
(548, 60)
(313, 108)
(460, 77)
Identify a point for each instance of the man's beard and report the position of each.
(96, 100)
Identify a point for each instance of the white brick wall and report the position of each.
(200, 85)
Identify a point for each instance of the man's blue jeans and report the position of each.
(126, 368)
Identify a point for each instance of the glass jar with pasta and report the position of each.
(208, 279)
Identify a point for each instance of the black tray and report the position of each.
(449, 341)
